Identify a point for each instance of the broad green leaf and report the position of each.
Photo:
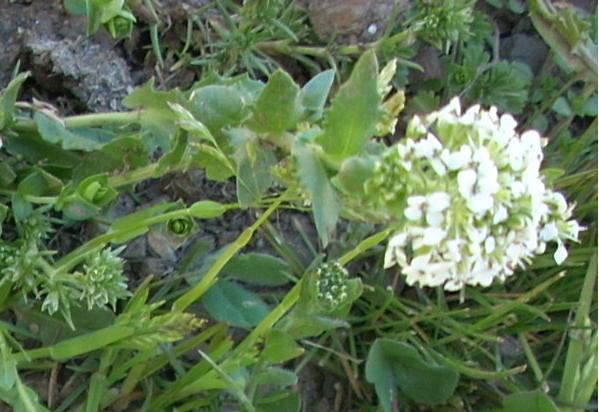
(21, 208)
(288, 401)
(393, 364)
(39, 183)
(277, 107)
(218, 106)
(562, 107)
(533, 401)
(353, 173)
(228, 302)
(314, 93)
(505, 86)
(119, 155)
(175, 156)
(53, 131)
(253, 162)
(275, 376)
(51, 329)
(279, 347)
(325, 204)
(156, 116)
(7, 174)
(76, 7)
(8, 98)
(258, 269)
(354, 112)
(214, 162)
(36, 151)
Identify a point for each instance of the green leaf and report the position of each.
(7, 175)
(228, 302)
(279, 347)
(8, 99)
(275, 376)
(156, 118)
(567, 35)
(533, 401)
(562, 107)
(39, 183)
(51, 329)
(353, 173)
(278, 105)
(253, 162)
(214, 162)
(218, 106)
(121, 154)
(392, 365)
(314, 93)
(354, 112)
(257, 269)
(325, 204)
(36, 151)
(288, 401)
(53, 131)
(504, 86)
(175, 156)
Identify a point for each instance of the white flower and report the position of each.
(427, 147)
(433, 236)
(457, 160)
(560, 254)
(466, 181)
(477, 207)
(549, 232)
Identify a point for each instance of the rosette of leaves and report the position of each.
(87, 199)
(443, 23)
(114, 15)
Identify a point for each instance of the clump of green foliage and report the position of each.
(234, 329)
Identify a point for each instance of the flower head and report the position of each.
(469, 197)
(331, 284)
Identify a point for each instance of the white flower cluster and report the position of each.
(473, 203)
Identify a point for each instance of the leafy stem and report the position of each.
(23, 124)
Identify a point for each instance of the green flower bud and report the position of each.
(103, 281)
(331, 285)
(181, 226)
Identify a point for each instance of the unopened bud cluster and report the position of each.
(103, 281)
(331, 284)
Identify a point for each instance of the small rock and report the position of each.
(525, 48)
(363, 20)
(96, 75)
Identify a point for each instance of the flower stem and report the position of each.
(85, 120)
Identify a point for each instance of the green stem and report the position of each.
(576, 346)
(210, 278)
(73, 258)
(532, 360)
(134, 176)
(42, 200)
(85, 120)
